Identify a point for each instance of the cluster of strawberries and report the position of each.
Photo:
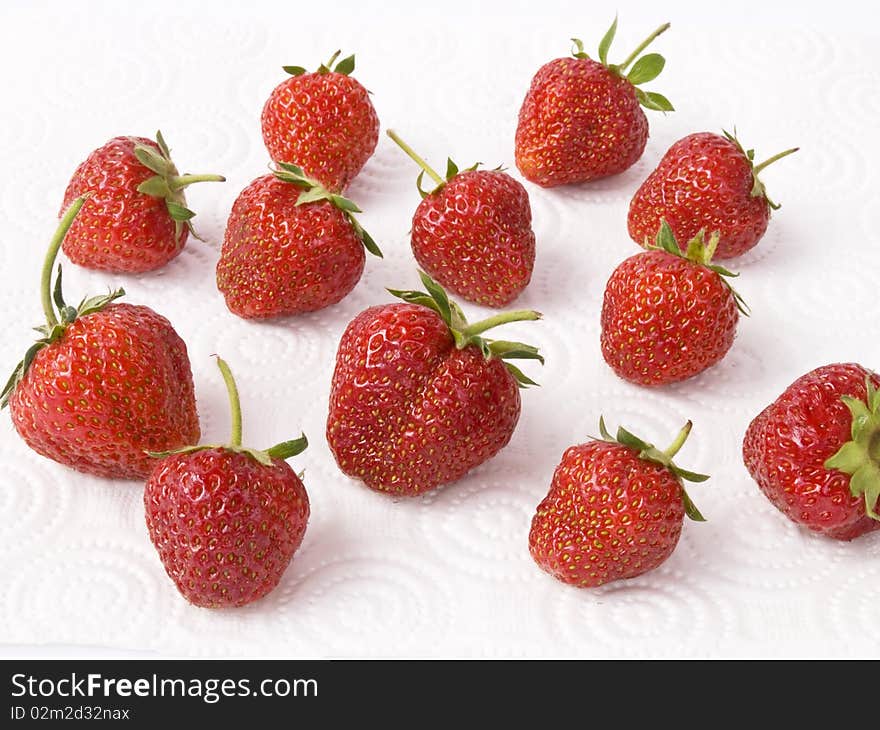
(419, 395)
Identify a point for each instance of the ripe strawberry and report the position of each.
(226, 519)
(668, 315)
(815, 451)
(473, 232)
(322, 121)
(615, 510)
(582, 119)
(135, 218)
(418, 397)
(705, 182)
(104, 383)
(291, 246)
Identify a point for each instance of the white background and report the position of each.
(448, 574)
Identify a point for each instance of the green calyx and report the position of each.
(860, 458)
(700, 252)
(758, 189)
(465, 334)
(315, 192)
(644, 68)
(451, 168)
(168, 184)
(51, 296)
(284, 450)
(344, 67)
(649, 452)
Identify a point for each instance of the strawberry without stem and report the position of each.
(135, 218)
(815, 451)
(323, 121)
(291, 246)
(473, 232)
(615, 510)
(705, 182)
(104, 383)
(226, 519)
(418, 396)
(668, 315)
(582, 119)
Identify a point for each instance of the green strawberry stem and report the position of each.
(649, 452)
(166, 184)
(642, 46)
(51, 294)
(758, 189)
(51, 255)
(698, 252)
(284, 450)
(766, 163)
(519, 315)
(313, 192)
(676, 445)
(431, 172)
(181, 181)
(465, 335)
(234, 401)
(329, 63)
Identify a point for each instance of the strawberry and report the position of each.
(705, 182)
(104, 383)
(418, 397)
(473, 232)
(668, 315)
(291, 246)
(322, 121)
(226, 519)
(815, 451)
(582, 119)
(135, 218)
(614, 510)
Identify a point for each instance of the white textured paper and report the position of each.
(448, 574)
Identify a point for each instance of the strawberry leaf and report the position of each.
(646, 69)
(438, 294)
(466, 335)
(179, 212)
(605, 43)
(690, 509)
(312, 195)
(345, 66)
(365, 237)
(651, 453)
(154, 161)
(522, 380)
(655, 101)
(288, 449)
(156, 187)
(578, 50)
(294, 70)
(344, 204)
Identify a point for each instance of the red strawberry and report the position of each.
(615, 510)
(323, 121)
(815, 451)
(291, 246)
(135, 218)
(668, 315)
(418, 397)
(705, 182)
(473, 232)
(104, 383)
(582, 119)
(226, 520)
